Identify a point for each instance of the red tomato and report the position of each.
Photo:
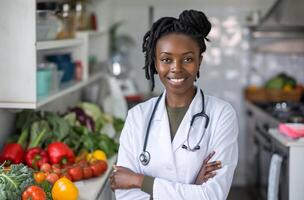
(87, 172)
(75, 173)
(34, 193)
(52, 178)
(104, 165)
(96, 168)
(46, 167)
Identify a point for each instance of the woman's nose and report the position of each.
(176, 66)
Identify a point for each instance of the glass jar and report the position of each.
(82, 17)
(67, 18)
(47, 23)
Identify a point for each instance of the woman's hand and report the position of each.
(207, 170)
(124, 178)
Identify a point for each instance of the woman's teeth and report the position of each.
(177, 80)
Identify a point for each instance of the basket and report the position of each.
(260, 95)
(257, 95)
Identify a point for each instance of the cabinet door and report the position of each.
(17, 54)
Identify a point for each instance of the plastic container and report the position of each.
(47, 22)
(44, 79)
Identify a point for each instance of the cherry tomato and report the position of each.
(39, 177)
(76, 173)
(52, 178)
(96, 168)
(87, 172)
(104, 165)
(34, 193)
(46, 167)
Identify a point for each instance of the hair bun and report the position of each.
(196, 20)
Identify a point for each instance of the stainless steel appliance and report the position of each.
(260, 118)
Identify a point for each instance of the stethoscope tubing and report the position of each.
(145, 155)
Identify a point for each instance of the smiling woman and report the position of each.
(177, 63)
(182, 144)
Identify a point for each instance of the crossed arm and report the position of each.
(124, 178)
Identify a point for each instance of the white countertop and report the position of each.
(90, 189)
(285, 140)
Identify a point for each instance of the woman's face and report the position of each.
(177, 62)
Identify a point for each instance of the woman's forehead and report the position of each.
(177, 43)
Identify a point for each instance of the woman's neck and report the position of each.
(180, 100)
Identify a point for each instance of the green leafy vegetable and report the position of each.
(15, 181)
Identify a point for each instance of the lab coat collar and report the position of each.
(181, 134)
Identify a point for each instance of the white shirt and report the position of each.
(174, 168)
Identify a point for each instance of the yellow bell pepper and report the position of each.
(64, 189)
(97, 155)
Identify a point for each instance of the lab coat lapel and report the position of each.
(181, 134)
(164, 138)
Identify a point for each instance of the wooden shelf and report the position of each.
(58, 44)
(67, 89)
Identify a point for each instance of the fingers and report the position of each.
(209, 176)
(209, 157)
(212, 166)
(115, 168)
(112, 182)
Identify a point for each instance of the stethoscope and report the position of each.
(145, 156)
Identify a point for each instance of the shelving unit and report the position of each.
(23, 53)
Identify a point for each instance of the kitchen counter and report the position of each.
(285, 140)
(92, 188)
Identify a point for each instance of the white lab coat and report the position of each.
(174, 168)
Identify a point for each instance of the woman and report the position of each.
(165, 140)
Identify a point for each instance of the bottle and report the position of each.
(78, 70)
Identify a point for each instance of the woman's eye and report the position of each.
(165, 60)
(188, 60)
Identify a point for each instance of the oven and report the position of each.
(266, 148)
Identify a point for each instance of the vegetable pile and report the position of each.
(57, 150)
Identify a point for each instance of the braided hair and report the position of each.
(190, 22)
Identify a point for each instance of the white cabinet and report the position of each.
(20, 52)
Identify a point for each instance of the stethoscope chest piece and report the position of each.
(144, 158)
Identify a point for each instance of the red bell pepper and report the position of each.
(60, 153)
(35, 157)
(12, 153)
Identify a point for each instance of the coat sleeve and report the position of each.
(224, 143)
(127, 158)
